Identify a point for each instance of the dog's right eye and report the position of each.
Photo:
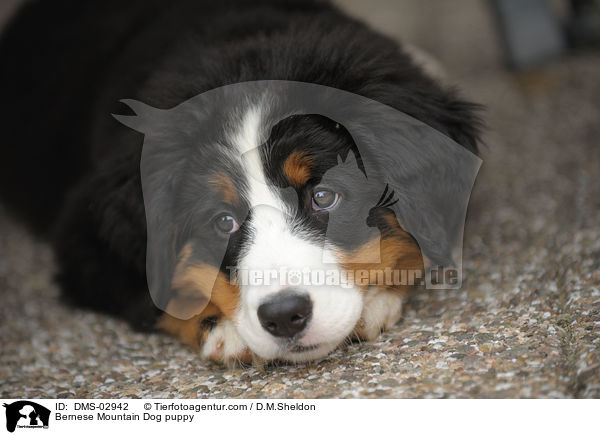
(226, 224)
(324, 199)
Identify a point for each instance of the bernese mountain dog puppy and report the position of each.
(72, 172)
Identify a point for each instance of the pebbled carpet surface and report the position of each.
(525, 324)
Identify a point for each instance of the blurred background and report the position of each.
(526, 322)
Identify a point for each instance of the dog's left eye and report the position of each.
(226, 224)
(324, 199)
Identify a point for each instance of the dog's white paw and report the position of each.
(224, 345)
(382, 310)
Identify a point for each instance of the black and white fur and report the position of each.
(72, 172)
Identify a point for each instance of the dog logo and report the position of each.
(25, 414)
(405, 177)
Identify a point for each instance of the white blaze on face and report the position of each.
(274, 246)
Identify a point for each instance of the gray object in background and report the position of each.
(531, 34)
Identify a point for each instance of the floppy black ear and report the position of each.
(160, 246)
(163, 156)
(170, 136)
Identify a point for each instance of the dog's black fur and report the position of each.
(72, 172)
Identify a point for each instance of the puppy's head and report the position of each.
(282, 226)
(272, 235)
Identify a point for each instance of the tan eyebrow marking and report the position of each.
(224, 185)
(297, 168)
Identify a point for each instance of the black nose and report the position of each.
(286, 314)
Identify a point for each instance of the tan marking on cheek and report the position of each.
(297, 168)
(199, 281)
(187, 301)
(397, 251)
(196, 284)
(190, 331)
(224, 186)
